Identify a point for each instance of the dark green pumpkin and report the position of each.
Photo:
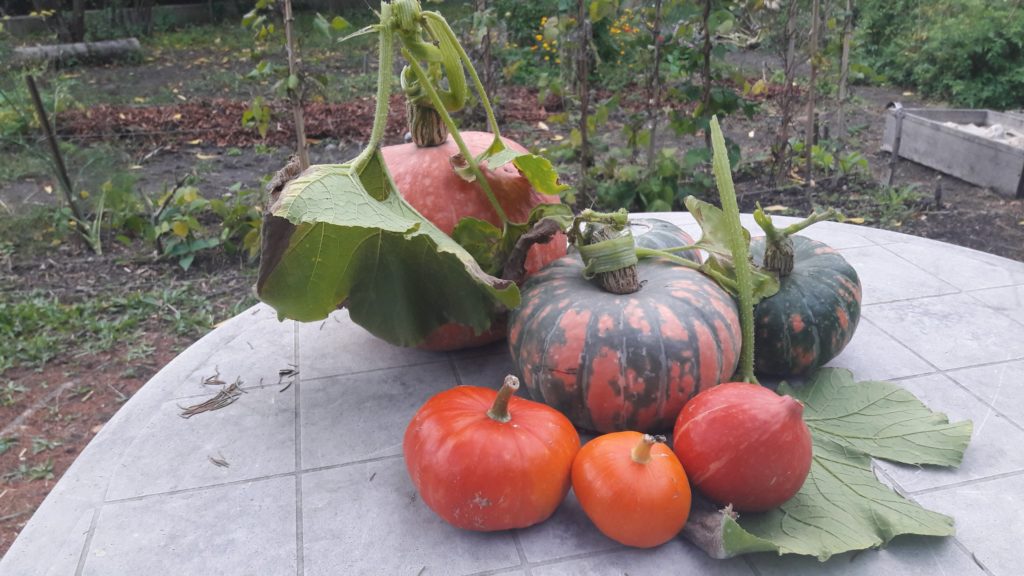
(624, 362)
(814, 314)
(658, 234)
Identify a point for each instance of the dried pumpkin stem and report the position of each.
(778, 246)
(499, 410)
(641, 453)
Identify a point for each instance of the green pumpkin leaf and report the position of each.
(536, 169)
(490, 246)
(719, 264)
(880, 419)
(336, 237)
(842, 506)
(483, 242)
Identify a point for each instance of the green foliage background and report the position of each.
(967, 51)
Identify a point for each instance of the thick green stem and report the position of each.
(738, 247)
(499, 410)
(724, 281)
(474, 167)
(380, 115)
(492, 121)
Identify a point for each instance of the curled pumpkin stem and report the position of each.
(778, 246)
(499, 410)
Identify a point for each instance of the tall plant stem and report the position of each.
(813, 53)
(380, 115)
(705, 70)
(295, 94)
(583, 87)
(738, 247)
(654, 86)
(51, 139)
(844, 78)
(474, 167)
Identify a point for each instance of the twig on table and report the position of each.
(213, 380)
(221, 462)
(225, 397)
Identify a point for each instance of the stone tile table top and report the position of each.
(304, 475)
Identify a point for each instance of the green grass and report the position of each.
(37, 327)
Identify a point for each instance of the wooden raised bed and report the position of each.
(926, 139)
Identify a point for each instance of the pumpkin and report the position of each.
(425, 178)
(632, 488)
(744, 445)
(486, 460)
(814, 314)
(628, 362)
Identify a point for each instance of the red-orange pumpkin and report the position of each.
(425, 178)
(486, 460)
(744, 445)
(632, 488)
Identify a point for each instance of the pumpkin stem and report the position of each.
(425, 126)
(475, 173)
(641, 453)
(608, 250)
(778, 246)
(380, 114)
(499, 410)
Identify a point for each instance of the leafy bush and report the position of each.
(968, 51)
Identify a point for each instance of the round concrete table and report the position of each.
(303, 473)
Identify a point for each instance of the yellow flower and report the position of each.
(546, 58)
(539, 37)
(558, 61)
(546, 46)
(543, 20)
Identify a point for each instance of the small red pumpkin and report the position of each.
(425, 178)
(632, 488)
(744, 445)
(623, 362)
(485, 460)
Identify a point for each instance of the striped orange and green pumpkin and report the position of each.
(623, 362)
(814, 314)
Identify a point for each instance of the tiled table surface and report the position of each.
(316, 484)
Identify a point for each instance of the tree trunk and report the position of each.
(76, 28)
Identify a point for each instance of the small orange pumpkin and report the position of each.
(485, 460)
(632, 487)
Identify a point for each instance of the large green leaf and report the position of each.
(335, 237)
(842, 506)
(880, 419)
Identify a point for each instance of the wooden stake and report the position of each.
(51, 139)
